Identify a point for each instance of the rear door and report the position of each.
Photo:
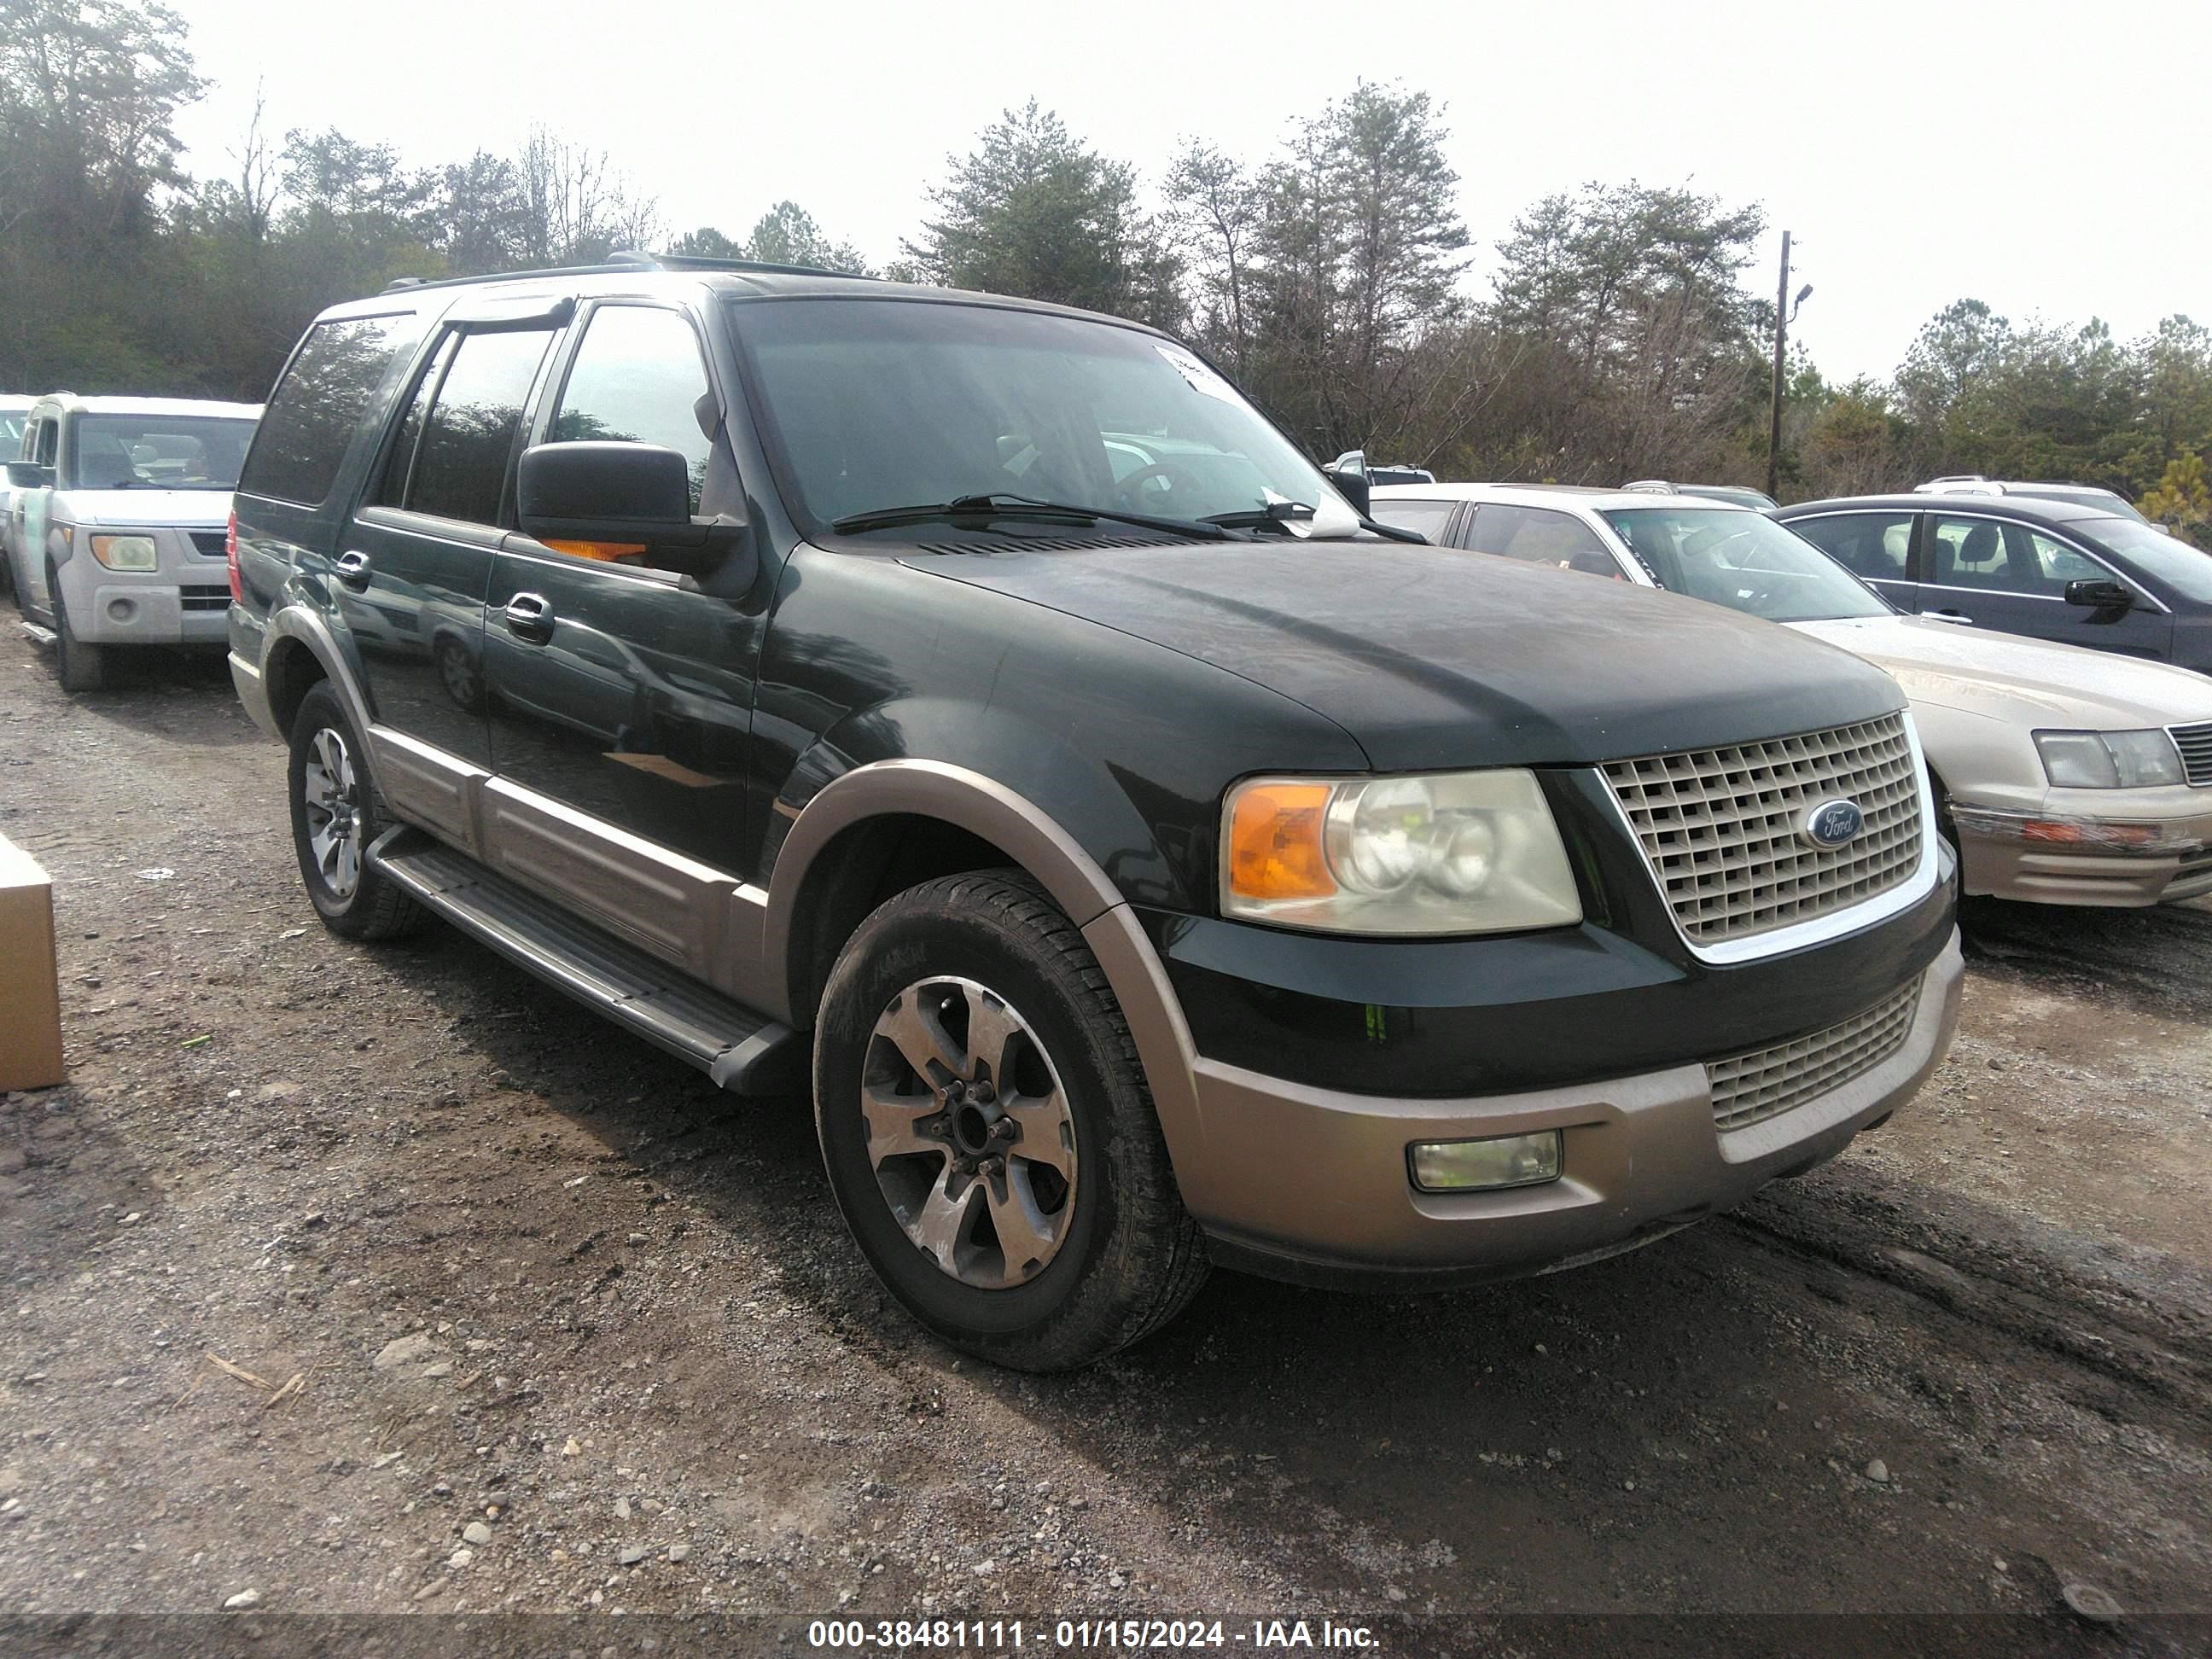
(2002, 574)
(417, 556)
(621, 696)
(1876, 547)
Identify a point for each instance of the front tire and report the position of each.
(335, 815)
(79, 666)
(988, 1134)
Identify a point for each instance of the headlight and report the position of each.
(126, 552)
(2109, 760)
(1439, 852)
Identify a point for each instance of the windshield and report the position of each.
(2170, 559)
(12, 432)
(878, 404)
(158, 451)
(1744, 561)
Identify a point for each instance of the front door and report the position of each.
(31, 511)
(417, 558)
(2011, 577)
(621, 696)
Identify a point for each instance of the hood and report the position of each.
(1433, 658)
(2008, 677)
(140, 509)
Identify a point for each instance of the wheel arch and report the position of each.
(299, 650)
(847, 842)
(892, 820)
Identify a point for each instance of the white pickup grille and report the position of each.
(2195, 743)
(1719, 826)
(1751, 1088)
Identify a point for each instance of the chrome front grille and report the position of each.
(1751, 1088)
(1719, 827)
(2195, 743)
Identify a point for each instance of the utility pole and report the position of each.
(1781, 328)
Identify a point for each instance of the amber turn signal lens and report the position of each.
(1275, 843)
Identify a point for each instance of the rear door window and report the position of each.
(1540, 536)
(1877, 546)
(462, 463)
(316, 408)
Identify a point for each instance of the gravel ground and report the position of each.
(515, 1313)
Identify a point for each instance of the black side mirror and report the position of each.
(28, 475)
(2098, 594)
(628, 495)
(1348, 472)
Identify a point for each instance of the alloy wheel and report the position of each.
(331, 790)
(969, 1133)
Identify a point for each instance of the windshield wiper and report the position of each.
(996, 506)
(1393, 531)
(1274, 513)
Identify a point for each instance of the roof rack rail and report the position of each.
(628, 259)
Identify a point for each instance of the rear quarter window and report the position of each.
(319, 405)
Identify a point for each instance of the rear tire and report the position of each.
(335, 815)
(79, 666)
(1012, 1189)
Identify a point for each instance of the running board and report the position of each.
(739, 1049)
(36, 634)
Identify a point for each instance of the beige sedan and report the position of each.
(2066, 776)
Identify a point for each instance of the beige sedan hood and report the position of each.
(2006, 677)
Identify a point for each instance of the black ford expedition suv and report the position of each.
(977, 709)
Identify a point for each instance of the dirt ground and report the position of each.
(573, 1333)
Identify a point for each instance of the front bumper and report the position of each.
(1326, 1198)
(2158, 849)
(182, 602)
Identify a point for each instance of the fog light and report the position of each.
(122, 610)
(1459, 1166)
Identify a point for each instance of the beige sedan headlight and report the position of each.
(2109, 760)
(126, 552)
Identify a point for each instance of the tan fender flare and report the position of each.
(1028, 835)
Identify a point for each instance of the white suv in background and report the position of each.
(116, 524)
(1973, 483)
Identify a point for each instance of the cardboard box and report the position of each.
(30, 984)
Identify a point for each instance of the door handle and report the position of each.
(352, 569)
(529, 618)
(1958, 616)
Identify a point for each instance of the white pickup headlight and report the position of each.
(1429, 852)
(2109, 760)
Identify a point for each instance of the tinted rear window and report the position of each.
(313, 414)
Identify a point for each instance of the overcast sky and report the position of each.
(2048, 159)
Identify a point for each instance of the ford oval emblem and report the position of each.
(1831, 823)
